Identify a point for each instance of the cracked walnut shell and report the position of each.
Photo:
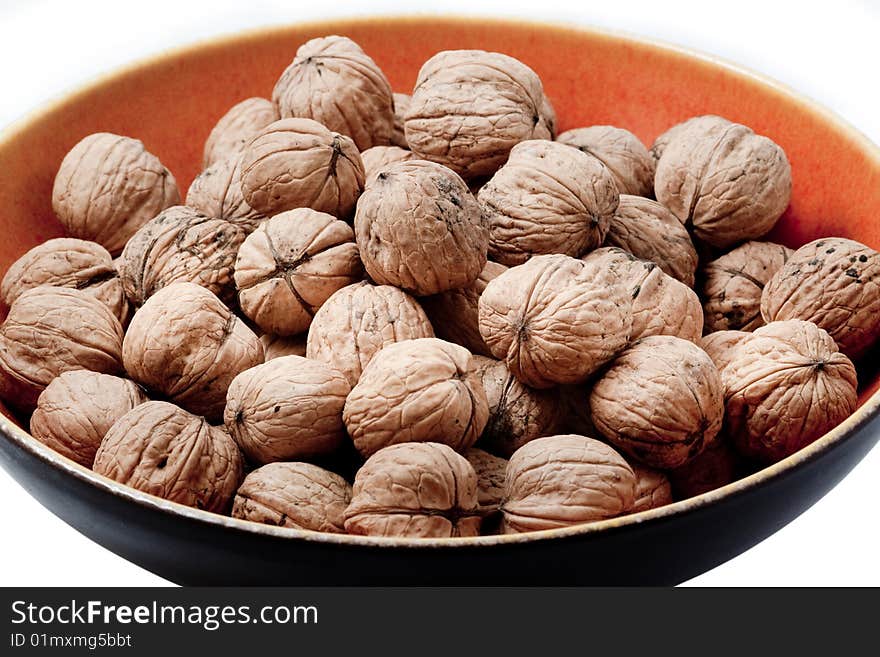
(161, 449)
(216, 192)
(565, 480)
(547, 198)
(418, 490)
(626, 157)
(287, 409)
(296, 163)
(235, 129)
(660, 401)
(109, 186)
(290, 266)
(834, 283)
(186, 345)
(421, 390)
(470, 107)
(296, 495)
(333, 81)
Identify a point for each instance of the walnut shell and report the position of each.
(235, 129)
(651, 232)
(660, 401)
(555, 319)
(377, 158)
(295, 163)
(784, 388)
(626, 157)
(186, 345)
(276, 346)
(708, 122)
(52, 330)
(109, 186)
(721, 346)
(732, 285)
(180, 245)
(419, 490)
(547, 198)
(216, 193)
(470, 107)
(653, 489)
(287, 409)
(419, 228)
(68, 262)
(297, 495)
(565, 480)
(333, 81)
(712, 468)
(421, 390)
(161, 449)
(401, 106)
(78, 408)
(290, 266)
(517, 414)
(834, 283)
(491, 472)
(359, 320)
(727, 183)
(454, 314)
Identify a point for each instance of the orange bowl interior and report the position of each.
(172, 102)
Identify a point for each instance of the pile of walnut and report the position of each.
(430, 315)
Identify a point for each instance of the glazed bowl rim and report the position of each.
(866, 412)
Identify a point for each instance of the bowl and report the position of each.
(172, 101)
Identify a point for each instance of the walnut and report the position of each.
(653, 489)
(721, 346)
(296, 163)
(291, 265)
(784, 388)
(287, 409)
(378, 158)
(660, 401)
(186, 345)
(216, 193)
(470, 107)
(333, 81)
(834, 283)
(555, 319)
(709, 122)
(732, 285)
(109, 186)
(180, 245)
(236, 128)
(68, 262)
(547, 198)
(491, 472)
(565, 480)
(161, 449)
(276, 346)
(401, 106)
(297, 495)
(359, 320)
(712, 468)
(419, 490)
(727, 183)
(626, 157)
(455, 313)
(421, 390)
(517, 414)
(651, 232)
(52, 330)
(77, 409)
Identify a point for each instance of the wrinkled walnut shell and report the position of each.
(626, 157)
(378, 158)
(401, 106)
(276, 346)
(721, 346)
(565, 480)
(470, 107)
(109, 186)
(713, 468)
(660, 401)
(161, 449)
(547, 198)
(419, 490)
(417, 391)
(555, 319)
(653, 489)
(296, 163)
(236, 128)
(707, 122)
(290, 266)
(77, 409)
(297, 495)
(491, 472)
(834, 283)
(287, 409)
(216, 193)
(52, 330)
(333, 81)
(186, 345)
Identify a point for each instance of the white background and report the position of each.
(828, 51)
